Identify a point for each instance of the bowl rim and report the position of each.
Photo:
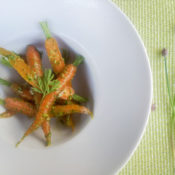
(124, 163)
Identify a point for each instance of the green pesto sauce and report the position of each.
(45, 115)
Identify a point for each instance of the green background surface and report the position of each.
(155, 22)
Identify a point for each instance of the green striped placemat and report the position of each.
(155, 22)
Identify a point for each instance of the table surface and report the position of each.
(155, 22)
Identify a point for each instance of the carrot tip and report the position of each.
(18, 143)
(48, 139)
(91, 114)
(6, 115)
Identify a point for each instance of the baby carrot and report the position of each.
(19, 90)
(22, 91)
(20, 66)
(66, 93)
(14, 105)
(52, 49)
(67, 119)
(34, 60)
(60, 110)
(18, 105)
(6, 114)
(48, 101)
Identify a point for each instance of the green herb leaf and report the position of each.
(79, 98)
(46, 30)
(37, 90)
(79, 59)
(5, 82)
(5, 61)
(46, 84)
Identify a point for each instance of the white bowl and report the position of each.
(115, 76)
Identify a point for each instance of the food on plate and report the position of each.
(47, 93)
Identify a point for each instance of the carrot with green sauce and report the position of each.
(60, 110)
(67, 93)
(26, 94)
(21, 91)
(20, 66)
(54, 55)
(49, 99)
(52, 50)
(34, 61)
(6, 114)
(67, 119)
(18, 105)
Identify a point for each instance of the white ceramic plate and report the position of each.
(115, 76)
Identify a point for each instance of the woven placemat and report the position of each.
(155, 22)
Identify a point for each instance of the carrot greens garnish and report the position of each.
(46, 84)
(79, 98)
(46, 30)
(5, 82)
(5, 61)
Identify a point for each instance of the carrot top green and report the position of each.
(46, 30)
(47, 83)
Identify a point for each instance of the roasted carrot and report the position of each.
(48, 101)
(34, 61)
(60, 110)
(26, 94)
(18, 105)
(20, 66)
(66, 93)
(22, 91)
(67, 119)
(52, 49)
(6, 114)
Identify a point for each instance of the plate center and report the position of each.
(12, 129)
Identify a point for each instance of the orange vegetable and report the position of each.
(34, 61)
(16, 105)
(22, 91)
(60, 110)
(19, 105)
(48, 101)
(6, 114)
(19, 90)
(53, 51)
(66, 93)
(20, 66)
